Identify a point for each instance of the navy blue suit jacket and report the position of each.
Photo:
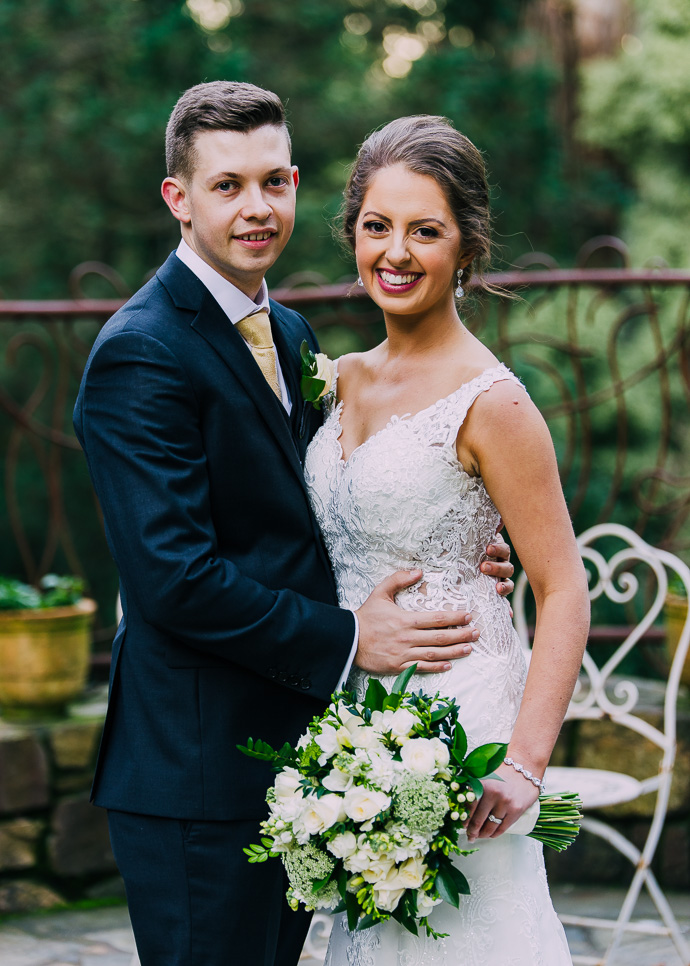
(231, 627)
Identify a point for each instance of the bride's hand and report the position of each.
(505, 800)
(391, 639)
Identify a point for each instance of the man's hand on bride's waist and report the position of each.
(499, 566)
(391, 639)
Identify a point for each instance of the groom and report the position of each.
(190, 414)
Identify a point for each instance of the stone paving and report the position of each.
(102, 937)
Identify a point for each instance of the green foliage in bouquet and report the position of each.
(53, 591)
(367, 809)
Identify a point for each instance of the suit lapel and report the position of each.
(211, 323)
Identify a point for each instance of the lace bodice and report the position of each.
(401, 501)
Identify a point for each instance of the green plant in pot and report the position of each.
(675, 612)
(45, 641)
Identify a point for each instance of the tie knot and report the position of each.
(256, 330)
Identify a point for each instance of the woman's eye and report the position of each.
(427, 232)
(377, 227)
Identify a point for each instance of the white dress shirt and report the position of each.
(238, 306)
(235, 304)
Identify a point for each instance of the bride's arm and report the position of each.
(509, 445)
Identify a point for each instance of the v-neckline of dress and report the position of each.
(395, 419)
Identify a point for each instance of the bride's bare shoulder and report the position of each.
(354, 362)
(354, 367)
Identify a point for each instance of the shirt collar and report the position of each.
(234, 303)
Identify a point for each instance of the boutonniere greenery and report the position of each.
(318, 375)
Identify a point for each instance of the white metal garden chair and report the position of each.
(635, 574)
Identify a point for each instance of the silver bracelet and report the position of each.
(528, 774)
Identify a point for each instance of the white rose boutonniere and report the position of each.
(318, 375)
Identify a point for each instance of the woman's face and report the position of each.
(407, 242)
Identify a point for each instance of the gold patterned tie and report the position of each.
(256, 331)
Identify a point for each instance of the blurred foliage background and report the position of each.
(582, 108)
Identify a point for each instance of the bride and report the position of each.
(429, 442)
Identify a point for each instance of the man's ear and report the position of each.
(175, 197)
(295, 175)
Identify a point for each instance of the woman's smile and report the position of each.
(395, 282)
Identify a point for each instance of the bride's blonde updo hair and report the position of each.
(428, 145)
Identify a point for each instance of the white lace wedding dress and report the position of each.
(402, 500)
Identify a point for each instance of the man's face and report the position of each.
(238, 210)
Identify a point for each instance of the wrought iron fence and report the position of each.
(604, 352)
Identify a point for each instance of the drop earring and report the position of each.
(359, 281)
(460, 291)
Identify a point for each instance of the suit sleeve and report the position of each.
(139, 425)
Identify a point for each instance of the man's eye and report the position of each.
(277, 182)
(225, 186)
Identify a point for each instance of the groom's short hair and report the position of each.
(217, 106)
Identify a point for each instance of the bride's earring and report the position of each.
(359, 281)
(460, 291)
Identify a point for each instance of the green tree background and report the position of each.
(88, 86)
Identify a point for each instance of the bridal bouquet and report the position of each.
(366, 811)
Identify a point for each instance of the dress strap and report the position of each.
(462, 400)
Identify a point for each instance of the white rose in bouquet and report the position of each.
(337, 781)
(442, 752)
(411, 873)
(361, 735)
(389, 892)
(378, 869)
(317, 815)
(362, 804)
(419, 755)
(361, 859)
(344, 845)
(287, 783)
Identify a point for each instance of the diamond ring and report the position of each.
(496, 821)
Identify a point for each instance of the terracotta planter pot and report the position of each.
(675, 612)
(44, 658)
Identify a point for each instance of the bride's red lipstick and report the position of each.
(394, 288)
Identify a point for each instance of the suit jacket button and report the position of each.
(272, 673)
(294, 681)
(305, 684)
(282, 677)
